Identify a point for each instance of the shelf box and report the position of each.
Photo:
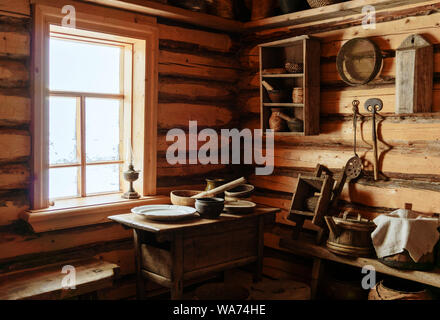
(305, 50)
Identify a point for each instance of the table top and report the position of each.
(137, 221)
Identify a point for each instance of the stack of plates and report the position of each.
(239, 206)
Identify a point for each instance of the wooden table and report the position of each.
(169, 253)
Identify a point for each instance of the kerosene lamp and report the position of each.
(131, 176)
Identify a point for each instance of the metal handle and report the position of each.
(355, 113)
(332, 226)
(374, 105)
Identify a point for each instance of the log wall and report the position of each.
(409, 144)
(198, 72)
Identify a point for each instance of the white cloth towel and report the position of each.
(403, 229)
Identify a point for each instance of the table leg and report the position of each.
(317, 271)
(260, 248)
(177, 269)
(140, 281)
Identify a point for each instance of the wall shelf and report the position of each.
(286, 75)
(318, 15)
(284, 105)
(305, 50)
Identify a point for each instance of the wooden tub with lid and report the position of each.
(350, 237)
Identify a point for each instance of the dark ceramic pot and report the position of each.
(210, 208)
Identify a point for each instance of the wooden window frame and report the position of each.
(124, 97)
(142, 32)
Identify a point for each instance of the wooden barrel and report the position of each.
(350, 237)
(399, 289)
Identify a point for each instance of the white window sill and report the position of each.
(84, 211)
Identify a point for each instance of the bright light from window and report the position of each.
(102, 129)
(85, 118)
(84, 67)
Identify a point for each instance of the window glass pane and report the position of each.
(102, 129)
(102, 178)
(62, 130)
(85, 67)
(63, 182)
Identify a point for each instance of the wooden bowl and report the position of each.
(210, 208)
(277, 96)
(243, 191)
(183, 197)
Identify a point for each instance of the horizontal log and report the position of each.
(20, 7)
(332, 13)
(419, 131)
(167, 170)
(207, 40)
(417, 162)
(12, 204)
(178, 115)
(13, 74)
(384, 20)
(15, 45)
(14, 110)
(187, 181)
(339, 101)
(198, 66)
(167, 188)
(14, 176)
(115, 251)
(15, 145)
(392, 195)
(13, 245)
(196, 89)
(163, 144)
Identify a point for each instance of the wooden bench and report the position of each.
(306, 247)
(46, 283)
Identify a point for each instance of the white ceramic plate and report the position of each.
(164, 212)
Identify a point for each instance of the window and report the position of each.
(94, 102)
(86, 115)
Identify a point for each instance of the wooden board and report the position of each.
(309, 249)
(158, 9)
(46, 283)
(414, 75)
(15, 7)
(339, 10)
